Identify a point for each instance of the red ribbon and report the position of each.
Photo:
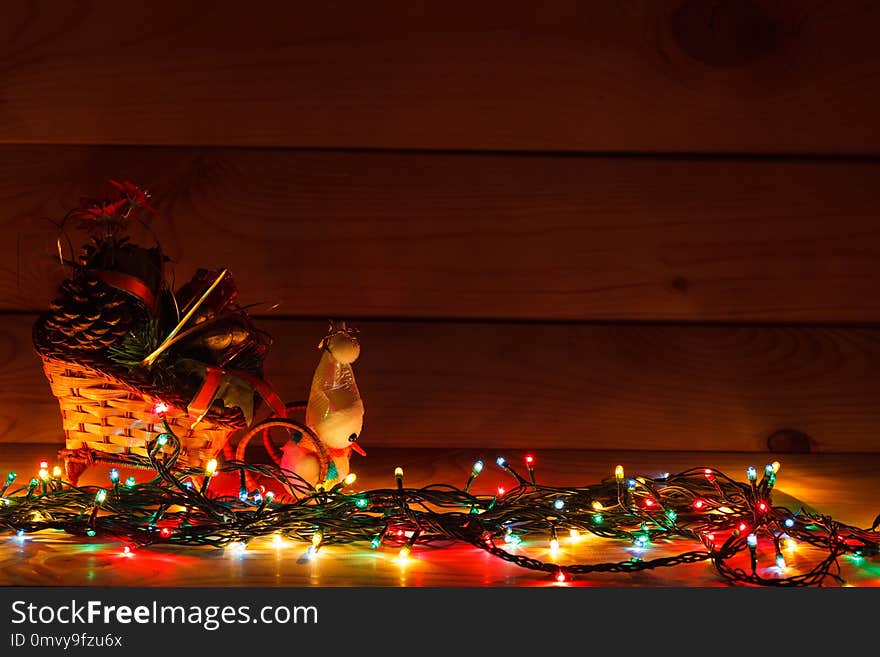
(202, 401)
(266, 391)
(130, 284)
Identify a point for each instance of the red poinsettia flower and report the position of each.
(113, 212)
(92, 213)
(133, 194)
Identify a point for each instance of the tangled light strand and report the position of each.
(701, 505)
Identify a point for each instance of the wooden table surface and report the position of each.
(845, 486)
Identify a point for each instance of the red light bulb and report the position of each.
(160, 408)
(698, 504)
(742, 526)
(560, 576)
(500, 491)
(165, 532)
(44, 464)
(530, 459)
(649, 502)
(762, 506)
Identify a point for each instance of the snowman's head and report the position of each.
(343, 346)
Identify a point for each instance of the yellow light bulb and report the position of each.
(775, 465)
(277, 541)
(56, 471)
(349, 479)
(211, 467)
(398, 472)
(44, 474)
(618, 473)
(317, 537)
(554, 545)
(574, 534)
(597, 505)
(403, 555)
(790, 544)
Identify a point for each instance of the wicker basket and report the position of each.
(105, 419)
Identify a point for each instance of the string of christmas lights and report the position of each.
(729, 520)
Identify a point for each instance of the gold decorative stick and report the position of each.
(167, 342)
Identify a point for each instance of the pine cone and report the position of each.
(88, 318)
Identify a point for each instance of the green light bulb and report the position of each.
(100, 496)
(375, 543)
(598, 519)
(362, 503)
(162, 439)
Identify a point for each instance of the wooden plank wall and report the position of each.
(640, 225)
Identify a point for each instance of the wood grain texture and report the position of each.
(821, 483)
(477, 236)
(538, 386)
(636, 75)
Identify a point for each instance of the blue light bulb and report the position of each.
(789, 522)
(114, 475)
(558, 504)
(500, 461)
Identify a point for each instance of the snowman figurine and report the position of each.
(335, 413)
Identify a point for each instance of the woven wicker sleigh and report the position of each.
(107, 413)
(106, 419)
(128, 358)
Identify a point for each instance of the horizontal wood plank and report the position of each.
(476, 236)
(820, 483)
(541, 386)
(637, 75)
